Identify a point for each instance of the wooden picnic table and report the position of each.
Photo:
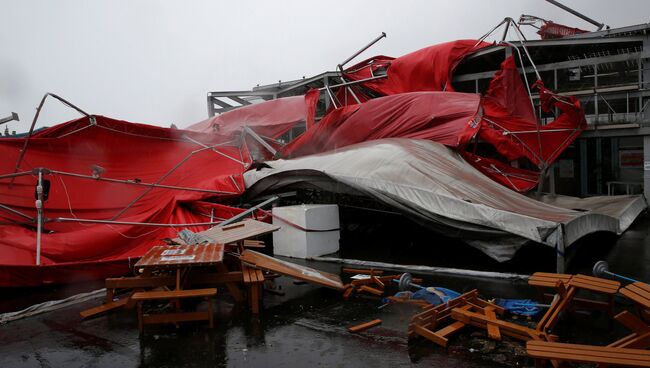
(181, 258)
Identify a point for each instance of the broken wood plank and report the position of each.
(104, 307)
(371, 290)
(308, 274)
(492, 329)
(364, 326)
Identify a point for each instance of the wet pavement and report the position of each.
(307, 327)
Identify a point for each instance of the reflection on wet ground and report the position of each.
(307, 326)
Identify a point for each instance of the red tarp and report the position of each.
(446, 117)
(125, 151)
(269, 118)
(504, 117)
(428, 69)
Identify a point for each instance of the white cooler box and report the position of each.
(323, 236)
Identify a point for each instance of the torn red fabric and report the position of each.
(450, 118)
(428, 69)
(110, 149)
(270, 118)
(311, 102)
(511, 126)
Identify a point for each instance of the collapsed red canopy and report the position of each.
(446, 117)
(270, 118)
(428, 69)
(124, 151)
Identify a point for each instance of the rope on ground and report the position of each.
(424, 269)
(51, 305)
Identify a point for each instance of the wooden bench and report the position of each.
(545, 350)
(542, 280)
(545, 282)
(248, 243)
(435, 323)
(567, 289)
(639, 293)
(143, 296)
(253, 281)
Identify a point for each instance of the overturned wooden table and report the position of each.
(180, 259)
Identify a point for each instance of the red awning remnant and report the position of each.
(269, 118)
(125, 159)
(428, 69)
(450, 118)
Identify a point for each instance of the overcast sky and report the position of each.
(154, 61)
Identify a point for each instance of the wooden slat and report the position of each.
(246, 274)
(299, 272)
(637, 292)
(364, 326)
(173, 294)
(588, 354)
(636, 341)
(160, 256)
(595, 284)
(371, 290)
(472, 317)
(429, 335)
(549, 280)
(632, 322)
(254, 244)
(104, 308)
(450, 329)
(348, 292)
(492, 329)
(237, 232)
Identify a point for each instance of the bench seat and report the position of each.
(588, 354)
(177, 316)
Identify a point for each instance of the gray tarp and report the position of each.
(436, 186)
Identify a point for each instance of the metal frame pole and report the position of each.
(248, 211)
(31, 128)
(382, 35)
(577, 14)
(39, 211)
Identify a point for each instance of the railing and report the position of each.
(611, 187)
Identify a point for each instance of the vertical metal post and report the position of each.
(639, 114)
(557, 110)
(644, 79)
(614, 153)
(551, 179)
(596, 92)
(599, 166)
(210, 105)
(326, 84)
(39, 211)
(646, 168)
(583, 168)
(560, 259)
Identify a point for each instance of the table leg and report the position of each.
(232, 287)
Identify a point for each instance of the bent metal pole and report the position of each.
(39, 214)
